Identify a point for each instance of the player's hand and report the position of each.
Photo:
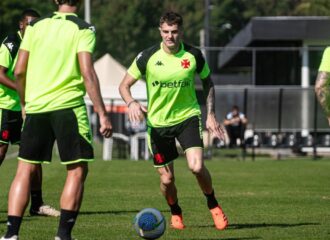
(106, 126)
(23, 113)
(136, 112)
(214, 127)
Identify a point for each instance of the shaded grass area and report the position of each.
(264, 199)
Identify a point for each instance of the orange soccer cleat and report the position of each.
(177, 222)
(219, 218)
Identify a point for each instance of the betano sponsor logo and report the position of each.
(175, 84)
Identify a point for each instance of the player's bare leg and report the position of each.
(71, 198)
(20, 188)
(196, 165)
(19, 197)
(168, 189)
(3, 151)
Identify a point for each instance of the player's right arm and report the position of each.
(322, 83)
(20, 74)
(93, 89)
(4, 80)
(322, 91)
(135, 109)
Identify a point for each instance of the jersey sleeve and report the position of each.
(27, 40)
(202, 67)
(5, 57)
(205, 71)
(86, 41)
(325, 63)
(134, 71)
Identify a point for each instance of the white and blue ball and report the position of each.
(149, 223)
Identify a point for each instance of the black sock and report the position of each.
(13, 225)
(211, 201)
(67, 221)
(175, 208)
(36, 199)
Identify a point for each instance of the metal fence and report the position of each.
(276, 109)
(280, 117)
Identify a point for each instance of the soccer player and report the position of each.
(53, 71)
(173, 111)
(10, 110)
(322, 83)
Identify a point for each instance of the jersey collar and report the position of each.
(179, 53)
(65, 13)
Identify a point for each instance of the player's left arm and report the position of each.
(212, 123)
(322, 90)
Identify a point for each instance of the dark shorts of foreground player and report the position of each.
(10, 126)
(69, 127)
(162, 140)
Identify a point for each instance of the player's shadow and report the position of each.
(233, 238)
(259, 225)
(119, 212)
(264, 225)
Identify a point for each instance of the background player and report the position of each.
(173, 111)
(10, 109)
(235, 124)
(52, 87)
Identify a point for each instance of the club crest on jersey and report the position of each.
(185, 63)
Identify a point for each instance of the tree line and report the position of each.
(125, 27)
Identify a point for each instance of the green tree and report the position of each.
(124, 28)
(10, 11)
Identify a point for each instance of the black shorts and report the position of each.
(11, 126)
(162, 140)
(69, 127)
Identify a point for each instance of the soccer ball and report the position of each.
(149, 223)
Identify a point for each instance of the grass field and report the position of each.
(264, 199)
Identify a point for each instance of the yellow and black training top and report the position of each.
(54, 79)
(170, 80)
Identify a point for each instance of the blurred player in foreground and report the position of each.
(322, 84)
(53, 71)
(174, 113)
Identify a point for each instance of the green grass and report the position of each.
(264, 199)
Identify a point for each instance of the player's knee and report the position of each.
(78, 171)
(167, 179)
(196, 169)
